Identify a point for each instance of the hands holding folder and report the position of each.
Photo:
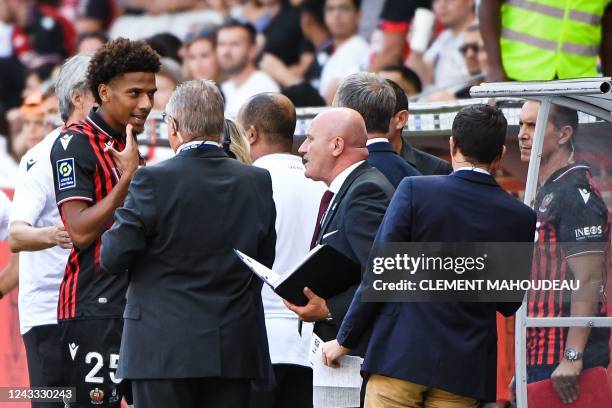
(315, 310)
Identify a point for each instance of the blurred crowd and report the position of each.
(432, 48)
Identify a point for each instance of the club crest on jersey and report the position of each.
(96, 396)
(546, 202)
(64, 140)
(65, 174)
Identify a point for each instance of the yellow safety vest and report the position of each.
(547, 39)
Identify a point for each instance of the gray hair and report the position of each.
(371, 96)
(72, 79)
(197, 108)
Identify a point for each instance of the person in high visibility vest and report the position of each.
(546, 39)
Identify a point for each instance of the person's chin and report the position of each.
(137, 129)
(525, 155)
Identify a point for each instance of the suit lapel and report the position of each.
(333, 207)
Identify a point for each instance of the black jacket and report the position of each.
(193, 309)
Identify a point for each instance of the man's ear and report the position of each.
(565, 135)
(104, 92)
(252, 134)
(338, 146)
(401, 118)
(77, 100)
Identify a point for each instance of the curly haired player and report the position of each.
(93, 164)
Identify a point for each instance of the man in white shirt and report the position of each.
(236, 50)
(442, 64)
(350, 50)
(36, 230)
(269, 120)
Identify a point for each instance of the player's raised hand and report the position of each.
(126, 160)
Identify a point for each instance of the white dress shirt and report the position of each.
(297, 203)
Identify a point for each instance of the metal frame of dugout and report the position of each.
(592, 96)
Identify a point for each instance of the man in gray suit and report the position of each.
(190, 299)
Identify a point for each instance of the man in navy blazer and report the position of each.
(427, 164)
(421, 354)
(374, 98)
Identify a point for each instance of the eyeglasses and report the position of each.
(469, 46)
(165, 117)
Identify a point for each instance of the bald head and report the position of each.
(344, 123)
(271, 116)
(336, 139)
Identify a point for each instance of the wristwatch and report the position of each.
(571, 354)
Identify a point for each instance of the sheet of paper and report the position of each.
(345, 376)
(265, 273)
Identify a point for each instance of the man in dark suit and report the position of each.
(427, 164)
(373, 97)
(190, 299)
(353, 206)
(421, 354)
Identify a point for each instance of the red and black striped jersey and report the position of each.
(572, 221)
(84, 171)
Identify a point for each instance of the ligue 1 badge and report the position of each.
(96, 396)
(65, 174)
(546, 202)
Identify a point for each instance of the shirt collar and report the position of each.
(476, 169)
(277, 158)
(196, 144)
(377, 140)
(96, 121)
(337, 183)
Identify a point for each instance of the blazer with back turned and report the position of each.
(450, 346)
(193, 309)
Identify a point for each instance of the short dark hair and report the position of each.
(98, 35)
(407, 74)
(480, 132)
(233, 23)
(119, 57)
(401, 99)
(561, 116)
(371, 96)
(166, 45)
(271, 118)
(356, 3)
(314, 8)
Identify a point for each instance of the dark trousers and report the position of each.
(293, 389)
(44, 355)
(210, 392)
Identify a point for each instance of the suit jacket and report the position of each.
(384, 158)
(451, 346)
(190, 300)
(355, 213)
(427, 164)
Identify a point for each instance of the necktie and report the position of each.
(325, 200)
